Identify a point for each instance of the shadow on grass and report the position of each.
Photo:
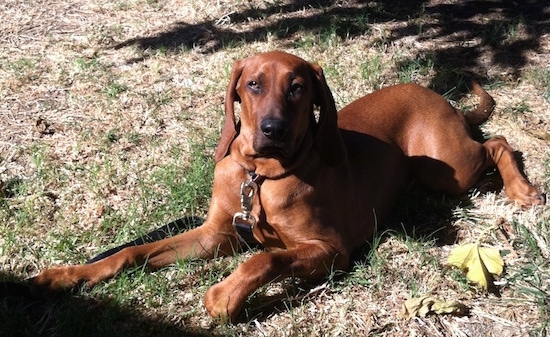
(24, 314)
(477, 35)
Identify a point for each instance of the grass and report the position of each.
(529, 279)
(129, 129)
(411, 70)
(371, 71)
(540, 77)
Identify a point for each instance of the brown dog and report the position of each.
(311, 191)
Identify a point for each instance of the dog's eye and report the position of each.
(296, 89)
(253, 85)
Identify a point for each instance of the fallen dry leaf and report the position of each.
(43, 127)
(479, 263)
(540, 134)
(422, 306)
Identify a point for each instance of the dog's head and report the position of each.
(278, 92)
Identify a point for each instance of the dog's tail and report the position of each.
(484, 109)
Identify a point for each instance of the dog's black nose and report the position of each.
(274, 129)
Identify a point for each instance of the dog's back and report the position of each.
(427, 137)
(397, 112)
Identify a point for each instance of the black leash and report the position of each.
(168, 230)
(243, 222)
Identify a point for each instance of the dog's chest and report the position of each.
(284, 210)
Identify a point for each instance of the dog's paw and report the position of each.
(56, 279)
(223, 303)
(533, 200)
(528, 199)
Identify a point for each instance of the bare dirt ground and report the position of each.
(99, 98)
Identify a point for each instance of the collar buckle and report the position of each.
(243, 221)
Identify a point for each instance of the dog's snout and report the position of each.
(274, 129)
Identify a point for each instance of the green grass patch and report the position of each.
(411, 70)
(372, 71)
(541, 78)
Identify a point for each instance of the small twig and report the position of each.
(505, 236)
(225, 19)
(484, 232)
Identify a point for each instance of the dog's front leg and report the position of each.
(308, 260)
(202, 242)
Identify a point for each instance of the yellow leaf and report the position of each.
(492, 260)
(426, 304)
(479, 263)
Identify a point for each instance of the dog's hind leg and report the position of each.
(517, 188)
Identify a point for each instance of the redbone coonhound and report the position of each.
(311, 188)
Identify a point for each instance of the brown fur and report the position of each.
(324, 183)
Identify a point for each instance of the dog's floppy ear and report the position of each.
(229, 131)
(328, 141)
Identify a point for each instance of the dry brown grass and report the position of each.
(99, 99)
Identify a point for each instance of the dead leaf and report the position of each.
(43, 127)
(449, 307)
(540, 134)
(422, 306)
(479, 263)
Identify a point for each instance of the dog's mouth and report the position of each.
(271, 148)
(274, 149)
